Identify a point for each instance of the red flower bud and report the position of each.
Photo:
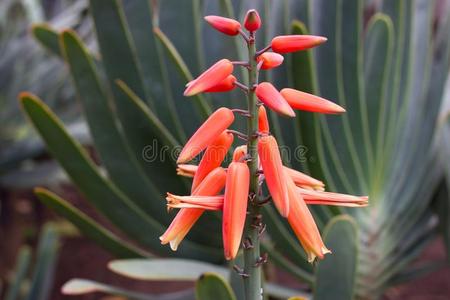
(270, 96)
(224, 25)
(304, 101)
(224, 86)
(212, 158)
(270, 60)
(252, 21)
(263, 123)
(211, 77)
(292, 43)
(217, 122)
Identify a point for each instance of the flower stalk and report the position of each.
(252, 282)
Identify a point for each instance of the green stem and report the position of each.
(252, 283)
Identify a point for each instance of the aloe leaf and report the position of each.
(400, 14)
(101, 192)
(119, 59)
(212, 286)
(172, 269)
(78, 286)
(299, 271)
(153, 121)
(339, 140)
(114, 38)
(89, 227)
(20, 272)
(282, 292)
(335, 275)
(154, 72)
(122, 165)
(378, 57)
(46, 256)
(284, 239)
(48, 37)
(203, 106)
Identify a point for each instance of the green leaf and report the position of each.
(120, 61)
(114, 38)
(48, 37)
(46, 256)
(212, 286)
(89, 227)
(203, 107)
(77, 286)
(101, 192)
(345, 136)
(282, 292)
(335, 276)
(171, 269)
(378, 57)
(20, 272)
(153, 121)
(154, 71)
(284, 240)
(123, 167)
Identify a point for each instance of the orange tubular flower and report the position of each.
(213, 157)
(292, 43)
(263, 122)
(220, 120)
(310, 198)
(303, 224)
(186, 170)
(272, 166)
(303, 180)
(210, 78)
(203, 202)
(224, 86)
(186, 217)
(269, 95)
(235, 207)
(252, 21)
(304, 101)
(327, 198)
(224, 25)
(270, 60)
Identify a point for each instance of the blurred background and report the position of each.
(82, 142)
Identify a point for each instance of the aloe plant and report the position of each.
(389, 74)
(39, 284)
(23, 63)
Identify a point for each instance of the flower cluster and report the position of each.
(228, 189)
